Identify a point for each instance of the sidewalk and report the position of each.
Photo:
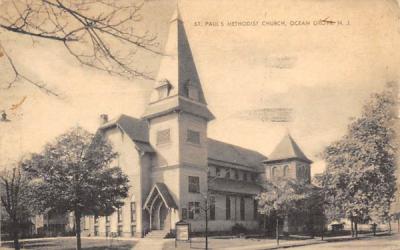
(252, 244)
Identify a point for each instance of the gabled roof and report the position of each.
(221, 151)
(162, 190)
(136, 129)
(287, 149)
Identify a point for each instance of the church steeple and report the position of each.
(288, 149)
(177, 86)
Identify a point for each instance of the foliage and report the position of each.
(238, 229)
(280, 197)
(15, 199)
(359, 180)
(73, 175)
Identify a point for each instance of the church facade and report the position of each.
(175, 170)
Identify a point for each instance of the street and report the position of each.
(380, 242)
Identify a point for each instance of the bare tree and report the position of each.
(101, 34)
(15, 199)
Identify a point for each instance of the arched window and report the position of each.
(285, 170)
(273, 171)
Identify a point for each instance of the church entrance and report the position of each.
(159, 204)
(160, 215)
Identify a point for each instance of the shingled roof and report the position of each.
(136, 129)
(221, 151)
(234, 186)
(287, 149)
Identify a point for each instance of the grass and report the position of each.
(68, 243)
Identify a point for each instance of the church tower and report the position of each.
(177, 115)
(288, 161)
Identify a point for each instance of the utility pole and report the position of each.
(206, 212)
(277, 230)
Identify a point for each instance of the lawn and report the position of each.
(69, 243)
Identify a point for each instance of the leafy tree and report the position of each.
(15, 198)
(101, 34)
(73, 175)
(280, 198)
(359, 180)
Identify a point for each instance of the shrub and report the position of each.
(238, 229)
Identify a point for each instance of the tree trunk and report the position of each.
(15, 234)
(352, 226)
(277, 231)
(398, 225)
(16, 241)
(323, 231)
(78, 230)
(374, 228)
(265, 224)
(356, 228)
(390, 227)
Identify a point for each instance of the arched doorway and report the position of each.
(160, 216)
(159, 204)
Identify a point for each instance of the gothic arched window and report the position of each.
(273, 172)
(285, 170)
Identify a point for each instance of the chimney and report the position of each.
(103, 119)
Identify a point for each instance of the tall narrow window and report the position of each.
(133, 230)
(119, 230)
(191, 210)
(197, 207)
(194, 184)
(133, 212)
(217, 171)
(228, 207)
(285, 170)
(119, 214)
(228, 173)
(244, 176)
(163, 136)
(184, 213)
(96, 230)
(96, 219)
(236, 174)
(273, 172)
(193, 136)
(255, 209)
(242, 212)
(212, 208)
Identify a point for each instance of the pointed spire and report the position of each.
(177, 76)
(177, 14)
(287, 149)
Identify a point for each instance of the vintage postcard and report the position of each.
(180, 124)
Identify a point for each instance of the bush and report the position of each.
(238, 229)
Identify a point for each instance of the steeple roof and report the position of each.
(178, 71)
(287, 149)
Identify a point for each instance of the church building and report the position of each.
(174, 167)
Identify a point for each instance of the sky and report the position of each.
(322, 74)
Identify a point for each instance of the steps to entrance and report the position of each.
(156, 234)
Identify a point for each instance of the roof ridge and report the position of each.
(237, 146)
